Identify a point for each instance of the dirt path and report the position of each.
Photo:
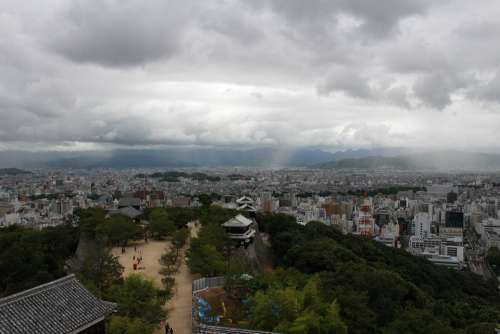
(150, 252)
(179, 307)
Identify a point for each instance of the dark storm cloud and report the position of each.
(378, 18)
(119, 33)
(116, 33)
(342, 73)
(381, 18)
(435, 89)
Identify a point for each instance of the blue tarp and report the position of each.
(204, 311)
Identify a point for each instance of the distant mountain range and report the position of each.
(132, 158)
(13, 171)
(397, 158)
(444, 160)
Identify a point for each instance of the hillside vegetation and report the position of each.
(327, 282)
(357, 285)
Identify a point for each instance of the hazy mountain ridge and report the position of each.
(257, 157)
(132, 158)
(13, 171)
(444, 160)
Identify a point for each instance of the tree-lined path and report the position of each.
(179, 306)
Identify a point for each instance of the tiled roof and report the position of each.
(129, 212)
(125, 211)
(247, 207)
(238, 221)
(58, 307)
(129, 201)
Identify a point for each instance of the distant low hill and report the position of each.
(397, 158)
(174, 158)
(13, 171)
(444, 160)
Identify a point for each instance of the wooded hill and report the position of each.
(376, 288)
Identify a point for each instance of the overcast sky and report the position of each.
(333, 74)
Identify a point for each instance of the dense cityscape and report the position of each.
(450, 218)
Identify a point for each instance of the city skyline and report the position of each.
(329, 74)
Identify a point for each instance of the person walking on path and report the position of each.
(167, 328)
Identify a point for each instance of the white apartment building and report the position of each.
(421, 225)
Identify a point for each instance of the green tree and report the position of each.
(99, 269)
(21, 261)
(215, 235)
(138, 298)
(205, 259)
(124, 325)
(276, 309)
(416, 321)
(311, 322)
(181, 216)
(169, 261)
(216, 215)
(30, 257)
(205, 200)
(482, 328)
(160, 225)
(332, 321)
(89, 219)
(179, 238)
(264, 314)
(118, 230)
(493, 258)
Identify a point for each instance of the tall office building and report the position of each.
(453, 224)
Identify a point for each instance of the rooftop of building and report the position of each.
(58, 307)
(238, 221)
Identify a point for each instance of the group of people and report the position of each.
(168, 329)
(136, 261)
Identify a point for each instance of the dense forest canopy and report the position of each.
(31, 257)
(377, 289)
(327, 282)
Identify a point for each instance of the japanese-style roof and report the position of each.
(247, 207)
(238, 221)
(244, 199)
(129, 201)
(130, 212)
(126, 211)
(105, 198)
(58, 307)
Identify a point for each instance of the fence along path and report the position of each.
(205, 283)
